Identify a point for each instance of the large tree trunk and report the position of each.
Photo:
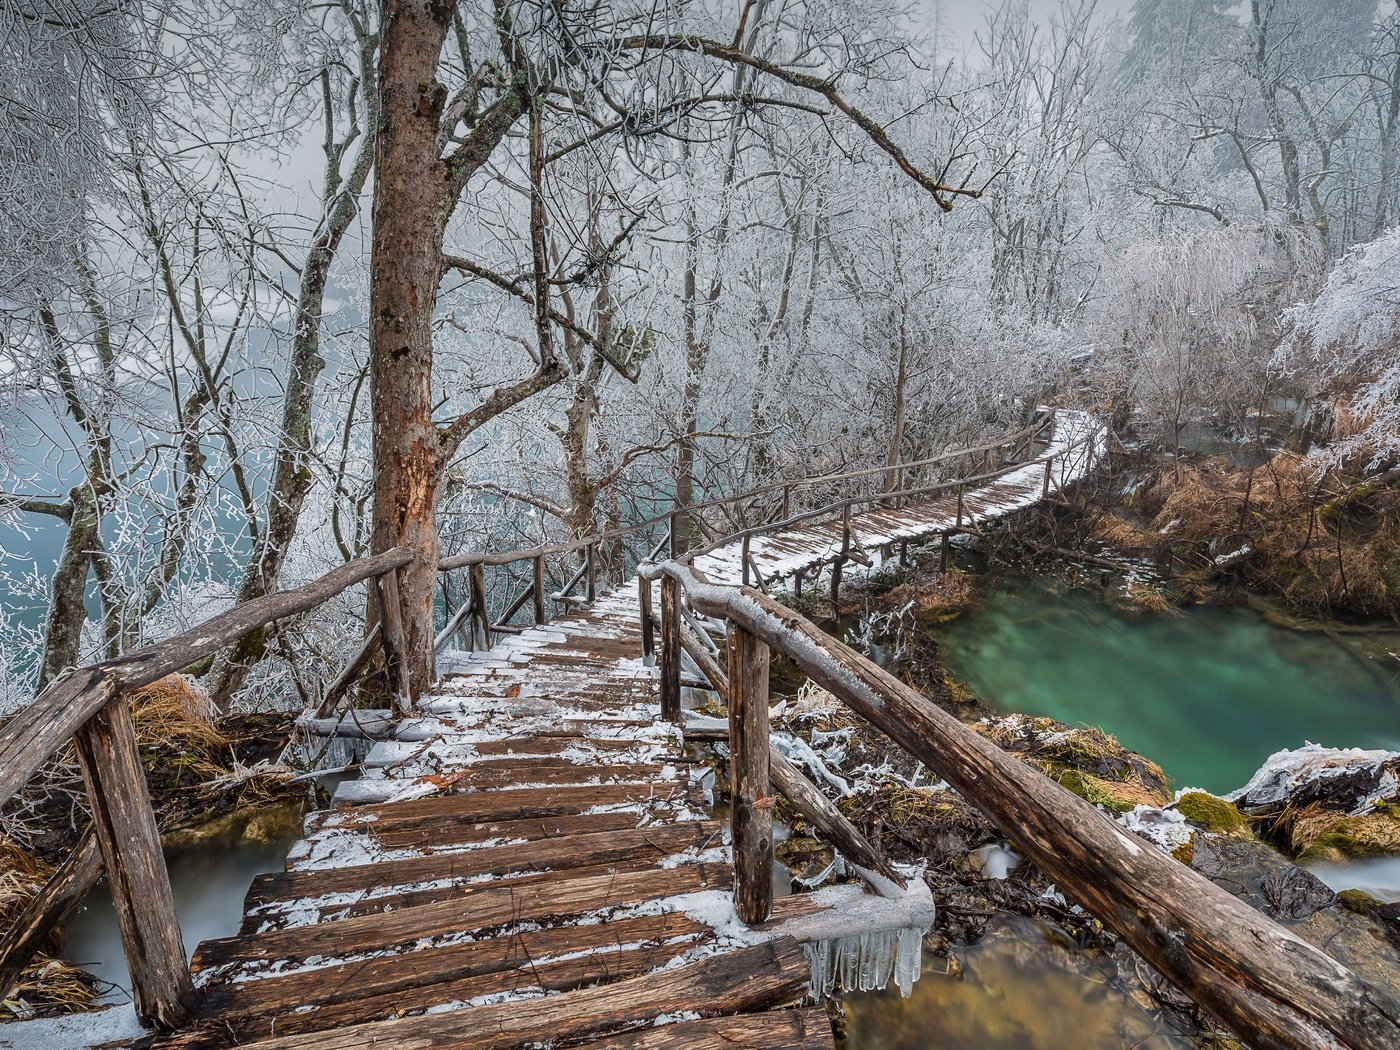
(412, 202)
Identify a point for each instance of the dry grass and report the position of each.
(47, 985)
(1323, 542)
(177, 712)
(936, 598)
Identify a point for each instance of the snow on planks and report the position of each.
(529, 858)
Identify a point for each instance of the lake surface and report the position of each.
(1208, 693)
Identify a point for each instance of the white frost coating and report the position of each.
(73, 1031)
(995, 861)
(1165, 828)
(1284, 772)
(797, 751)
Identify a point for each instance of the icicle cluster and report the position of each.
(866, 961)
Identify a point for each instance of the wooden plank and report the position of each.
(764, 975)
(510, 804)
(545, 855)
(447, 833)
(47, 909)
(125, 827)
(478, 907)
(435, 975)
(805, 1029)
(751, 798)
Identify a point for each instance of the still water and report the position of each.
(1208, 693)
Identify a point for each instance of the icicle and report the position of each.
(866, 962)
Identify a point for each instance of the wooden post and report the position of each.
(836, 585)
(960, 506)
(751, 798)
(481, 617)
(1045, 486)
(644, 600)
(538, 571)
(787, 501)
(670, 649)
(127, 835)
(797, 582)
(846, 527)
(590, 587)
(386, 589)
(903, 553)
(943, 554)
(673, 535)
(744, 560)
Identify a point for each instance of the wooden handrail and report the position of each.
(461, 561)
(90, 707)
(1262, 981)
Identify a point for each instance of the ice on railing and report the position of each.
(867, 962)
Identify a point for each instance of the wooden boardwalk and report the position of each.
(530, 858)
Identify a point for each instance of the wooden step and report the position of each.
(387, 986)
(804, 1029)
(506, 804)
(476, 908)
(750, 979)
(555, 854)
(486, 779)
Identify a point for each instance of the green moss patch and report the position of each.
(1212, 813)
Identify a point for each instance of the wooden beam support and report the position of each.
(648, 630)
(537, 584)
(47, 909)
(751, 800)
(126, 832)
(819, 811)
(670, 650)
(481, 617)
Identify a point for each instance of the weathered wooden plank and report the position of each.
(478, 908)
(804, 1029)
(764, 975)
(509, 804)
(751, 797)
(449, 833)
(542, 855)
(47, 909)
(126, 832)
(390, 984)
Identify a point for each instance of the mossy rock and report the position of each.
(1359, 901)
(1186, 852)
(1356, 838)
(1212, 813)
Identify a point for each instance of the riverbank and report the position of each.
(1052, 944)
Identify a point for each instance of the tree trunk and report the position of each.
(412, 202)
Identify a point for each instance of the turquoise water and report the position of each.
(1209, 693)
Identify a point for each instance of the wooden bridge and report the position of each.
(531, 855)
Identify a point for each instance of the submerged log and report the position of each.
(1265, 983)
(47, 909)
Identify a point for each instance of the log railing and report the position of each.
(775, 505)
(1263, 982)
(90, 708)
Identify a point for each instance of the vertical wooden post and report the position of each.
(590, 590)
(744, 560)
(386, 589)
(903, 553)
(797, 583)
(481, 617)
(1045, 485)
(129, 840)
(538, 586)
(943, 555)
(670, 649)
(960, 506)
(673, 538)
(751, 793)
(787, 501)
(644, 600)
(836, 585)
(846, 527)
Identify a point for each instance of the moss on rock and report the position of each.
(1212, 813)
(1356, 838)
